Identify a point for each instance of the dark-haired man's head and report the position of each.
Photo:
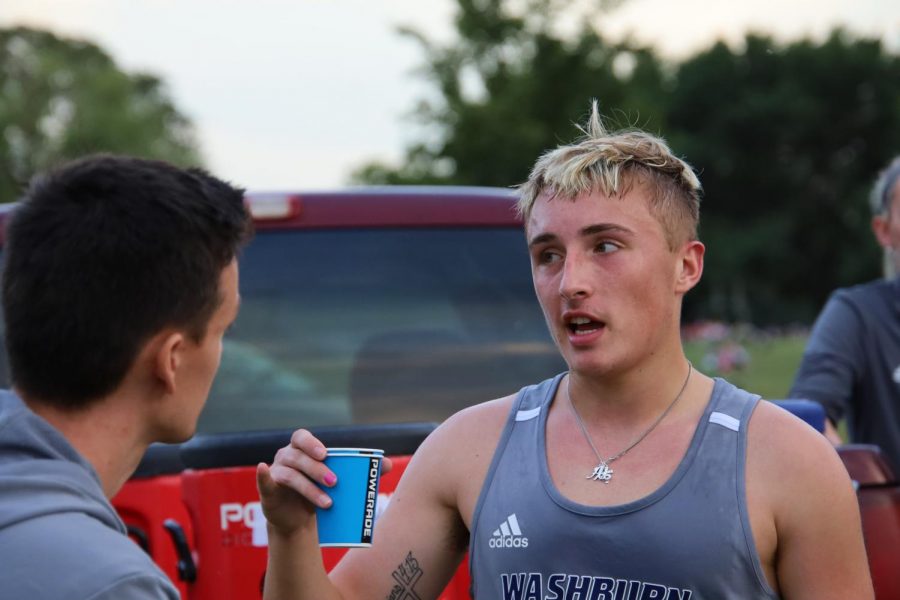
(103, 254)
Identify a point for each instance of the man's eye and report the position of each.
(547, 257)
(606, 247)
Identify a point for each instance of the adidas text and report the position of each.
(509, 541)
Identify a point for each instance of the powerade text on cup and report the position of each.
(371, 499)
(350, 520)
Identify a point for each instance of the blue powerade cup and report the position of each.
(351, 518)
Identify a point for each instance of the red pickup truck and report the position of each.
(369, 315)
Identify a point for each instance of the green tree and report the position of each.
(788, 139)
(62, 98)
(512, 86)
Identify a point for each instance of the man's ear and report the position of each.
(690, 266)
(881, 229)
(168, 359)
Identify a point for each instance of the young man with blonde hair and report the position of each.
(632, 475)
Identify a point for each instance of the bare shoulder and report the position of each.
(479, 420)
(784, 448)
(804, 512)
(469, 434)
(455, 458)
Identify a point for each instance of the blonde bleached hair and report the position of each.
(614, 163)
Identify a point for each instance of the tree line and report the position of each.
(787, 137)
(62, 98)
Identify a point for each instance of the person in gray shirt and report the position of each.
(851, 364)
(630, 475)
(119, 281)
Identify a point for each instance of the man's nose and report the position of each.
(575, 281)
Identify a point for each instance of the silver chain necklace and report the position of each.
(602, 472)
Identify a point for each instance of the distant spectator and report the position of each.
(852, 360)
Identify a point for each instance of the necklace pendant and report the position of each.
(601, 472)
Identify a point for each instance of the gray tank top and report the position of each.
(688, 540)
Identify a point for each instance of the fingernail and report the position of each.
(330, 479)
(321, 452)
(324, 501)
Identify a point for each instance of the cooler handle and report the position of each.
(187, 570)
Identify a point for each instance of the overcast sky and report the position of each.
(293, 94)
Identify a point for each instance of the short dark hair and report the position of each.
(102, 254)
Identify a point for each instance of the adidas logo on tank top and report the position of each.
(508, 535)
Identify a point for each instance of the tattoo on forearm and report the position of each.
(406, 575)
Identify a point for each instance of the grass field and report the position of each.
(773, 361)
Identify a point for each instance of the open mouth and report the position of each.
(584, 326)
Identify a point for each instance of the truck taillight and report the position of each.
(268, 208)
